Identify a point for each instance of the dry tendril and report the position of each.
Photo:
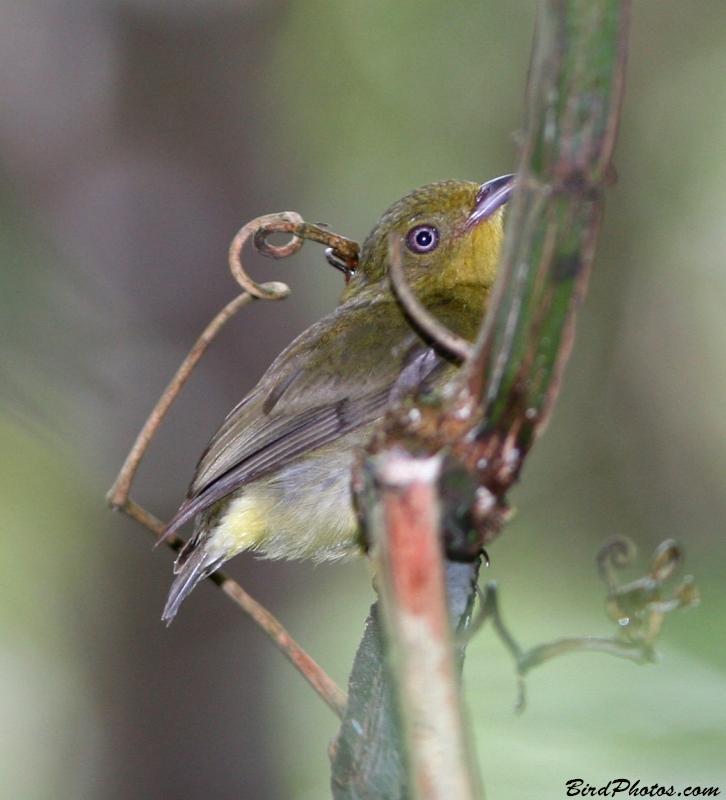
(638, 608)
(342, 253)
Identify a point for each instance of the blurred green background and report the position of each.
(136, 136)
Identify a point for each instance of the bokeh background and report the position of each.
(136, 136)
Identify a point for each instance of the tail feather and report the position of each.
(191, 568)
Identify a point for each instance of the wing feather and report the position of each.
(306, 401)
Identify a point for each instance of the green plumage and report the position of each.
(276, 476)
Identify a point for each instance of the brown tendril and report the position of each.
(640, 607)
(667, 561)
(616, 553)
(343, 250)
(445, 339)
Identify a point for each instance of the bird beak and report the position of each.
(491, 196)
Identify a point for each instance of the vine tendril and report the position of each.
(342, 253)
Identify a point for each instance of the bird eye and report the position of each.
(422, 239)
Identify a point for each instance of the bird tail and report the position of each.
(193, 564)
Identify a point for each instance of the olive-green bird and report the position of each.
(276, 477)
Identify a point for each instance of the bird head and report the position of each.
(452, 234)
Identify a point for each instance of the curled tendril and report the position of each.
(667, 560)
(616, 553)
(639, 607)
(445, 339)
(343, 253)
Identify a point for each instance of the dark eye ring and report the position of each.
(422, 239)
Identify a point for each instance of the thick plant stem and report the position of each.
(367, 755)
(489, 416)
(405, 530)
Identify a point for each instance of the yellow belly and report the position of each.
(302, 511)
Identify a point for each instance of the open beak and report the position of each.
(491, 196)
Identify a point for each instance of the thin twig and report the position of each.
(638, 608)
(582, 644)
(346, 254)
(119, 492)
(328, 690)
(528, 659)
(422, 319)
(285, 222)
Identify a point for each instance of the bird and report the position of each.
(276, 477)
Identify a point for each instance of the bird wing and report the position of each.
(311, 396)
